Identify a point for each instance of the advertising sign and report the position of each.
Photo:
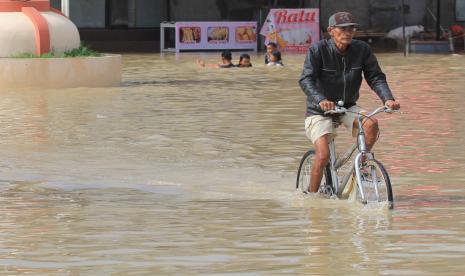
(292, 29)
(216, 35)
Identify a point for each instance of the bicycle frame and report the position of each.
(337, 163)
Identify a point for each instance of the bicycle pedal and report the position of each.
(333, 197)
(326, 190)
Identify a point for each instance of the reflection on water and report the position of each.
(183, 170)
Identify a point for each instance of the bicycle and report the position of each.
(371, 178)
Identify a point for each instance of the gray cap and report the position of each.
(341, 19)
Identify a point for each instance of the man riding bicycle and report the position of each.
(333, 72)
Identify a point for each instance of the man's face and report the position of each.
(342, 35)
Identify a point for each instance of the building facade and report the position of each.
(134, 24)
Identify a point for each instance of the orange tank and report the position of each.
(17, 5)
(42, 29)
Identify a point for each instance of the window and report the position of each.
(87, 13)
(56, 4)
(460, 10)
(149, 13)
(136, 13)
(116, 13)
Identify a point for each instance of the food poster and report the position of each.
(216, 35)
(190, 35)
(246, 34)
(292, 29)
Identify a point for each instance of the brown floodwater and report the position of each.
(191, 171)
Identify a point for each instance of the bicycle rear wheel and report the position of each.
(305, 170)
(376, 183)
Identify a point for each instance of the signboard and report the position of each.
(292, 29)
(216, 35)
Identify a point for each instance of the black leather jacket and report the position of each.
(329, 75)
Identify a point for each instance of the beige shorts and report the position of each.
(318, 125)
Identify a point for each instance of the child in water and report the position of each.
(226, 58)
(244, 61)
(269, 49)
(275, 59)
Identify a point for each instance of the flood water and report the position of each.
(191, 171)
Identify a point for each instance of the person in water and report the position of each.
(244, 61)
(270, 47)
(275, 59)
(333, 72)
(226, 57)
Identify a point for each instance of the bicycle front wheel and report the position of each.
(305, 171)
(376, 183)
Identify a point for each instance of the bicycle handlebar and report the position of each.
(337, 110)
(381, 109)
(342, 110)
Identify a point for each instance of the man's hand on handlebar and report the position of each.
(327, 105)
(391, 104)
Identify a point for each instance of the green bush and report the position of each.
(82, 51)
